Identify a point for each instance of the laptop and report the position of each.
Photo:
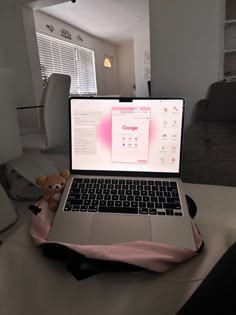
(125, 186)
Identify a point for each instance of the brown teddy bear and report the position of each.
(52, 187)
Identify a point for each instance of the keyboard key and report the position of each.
(130, 198)
(121, 192)
(151, 193)
(134, 204)
(110, 203)
(115, 197)
(174, 200)
(68, 208)
(84, 196)
(144, 193)
(83, 208)
(118, 210)
(173, 184)
(94, 202)
(143, 210)
(153, 211)
(92, 209)
(76, 208)
(161, 213)
(122, 197)
(171, 206)
(107, 197)
(178, 213)
(169, 212)
(126, 203)
(118, 203)
(150, 204)
(87, 202)
(158, 205)
(103, 203)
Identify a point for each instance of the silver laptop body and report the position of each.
(125, 157)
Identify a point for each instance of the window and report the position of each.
(61, 57)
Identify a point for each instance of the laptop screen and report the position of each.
(142, 135)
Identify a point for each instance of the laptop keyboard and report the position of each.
(131, 196)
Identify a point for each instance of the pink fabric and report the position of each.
(156, 257)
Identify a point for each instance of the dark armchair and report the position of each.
(209, 152)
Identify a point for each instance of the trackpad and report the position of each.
(113, 229)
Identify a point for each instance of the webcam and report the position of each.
(73, 1)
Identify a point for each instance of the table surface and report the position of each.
(41, 286)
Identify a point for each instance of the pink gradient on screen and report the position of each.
(104, 132)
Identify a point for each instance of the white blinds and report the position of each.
(62, 57)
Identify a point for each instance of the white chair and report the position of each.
(9, 140)
(53, 134)
(54, 117)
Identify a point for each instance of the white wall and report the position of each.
(14, 52)
(185, 48)
(141, 45)
(126, 76)
(100, 48)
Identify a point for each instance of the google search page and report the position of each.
(144, 135)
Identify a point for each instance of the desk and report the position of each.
(32, 284)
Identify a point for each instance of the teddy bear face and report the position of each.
(53, 184)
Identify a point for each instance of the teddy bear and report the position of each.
(52, 187)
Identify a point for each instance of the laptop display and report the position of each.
(143, 135)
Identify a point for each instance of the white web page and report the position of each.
(130, 134)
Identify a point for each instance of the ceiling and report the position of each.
(113, 20)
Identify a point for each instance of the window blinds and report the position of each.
(57, 56)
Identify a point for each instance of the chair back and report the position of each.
(10, 144)
(56, 110)
(221, 102)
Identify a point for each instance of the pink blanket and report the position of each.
(156, 257)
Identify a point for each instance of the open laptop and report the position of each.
(125, 184)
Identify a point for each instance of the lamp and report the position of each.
(107, 63)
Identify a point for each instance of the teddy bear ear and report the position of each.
(65, 173)
(40, 180)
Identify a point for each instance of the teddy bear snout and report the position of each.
(57, 186)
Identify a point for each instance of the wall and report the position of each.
(185, 48)
(100, 48)
(14, 53)
(17, 45)
(126, 76)
(141, 45)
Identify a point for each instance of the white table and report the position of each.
(32, 284)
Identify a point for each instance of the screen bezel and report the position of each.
(125, 173)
